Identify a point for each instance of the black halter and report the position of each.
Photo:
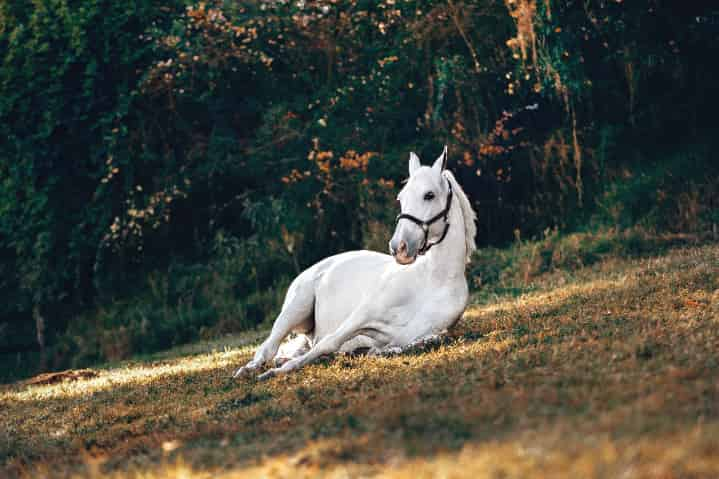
(426, 224)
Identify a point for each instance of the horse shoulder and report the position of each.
(444, 305)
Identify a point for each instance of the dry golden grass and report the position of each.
(609, 371)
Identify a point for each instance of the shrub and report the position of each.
(134, 135)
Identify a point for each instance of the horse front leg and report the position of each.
(419, 344)
(325, 346)
(356, 324)
(297, 311)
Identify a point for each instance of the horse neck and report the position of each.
(448, 257)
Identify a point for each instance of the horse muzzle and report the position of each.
(401, 255)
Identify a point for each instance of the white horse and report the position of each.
(369, 300)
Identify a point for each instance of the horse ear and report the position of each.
(440, 163)
(413, 163)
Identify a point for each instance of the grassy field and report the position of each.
(608, 370)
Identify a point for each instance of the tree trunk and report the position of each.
(40, 329)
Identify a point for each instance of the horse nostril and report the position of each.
(402, 247)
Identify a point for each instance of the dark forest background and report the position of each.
(167, 167)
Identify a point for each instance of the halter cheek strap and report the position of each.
(426, 245)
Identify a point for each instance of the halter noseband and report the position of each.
(426, 245)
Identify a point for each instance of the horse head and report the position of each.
(425, 201)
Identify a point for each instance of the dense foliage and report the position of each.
(165, 166)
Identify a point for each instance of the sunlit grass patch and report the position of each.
(124, 376)
(600, 372)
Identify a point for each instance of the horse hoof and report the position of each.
(242, 372)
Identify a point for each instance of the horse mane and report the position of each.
(468, 215)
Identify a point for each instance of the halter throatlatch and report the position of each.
(426, 245)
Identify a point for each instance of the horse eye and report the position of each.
(429, 196)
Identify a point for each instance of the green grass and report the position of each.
(512, 271)
(602, 370)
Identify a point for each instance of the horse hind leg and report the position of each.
(292, 348)
(296, 315)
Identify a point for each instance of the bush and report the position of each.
(515, 269)
(183, 304)
(676, 192)
(134, 135)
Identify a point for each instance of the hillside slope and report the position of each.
(608, 371)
